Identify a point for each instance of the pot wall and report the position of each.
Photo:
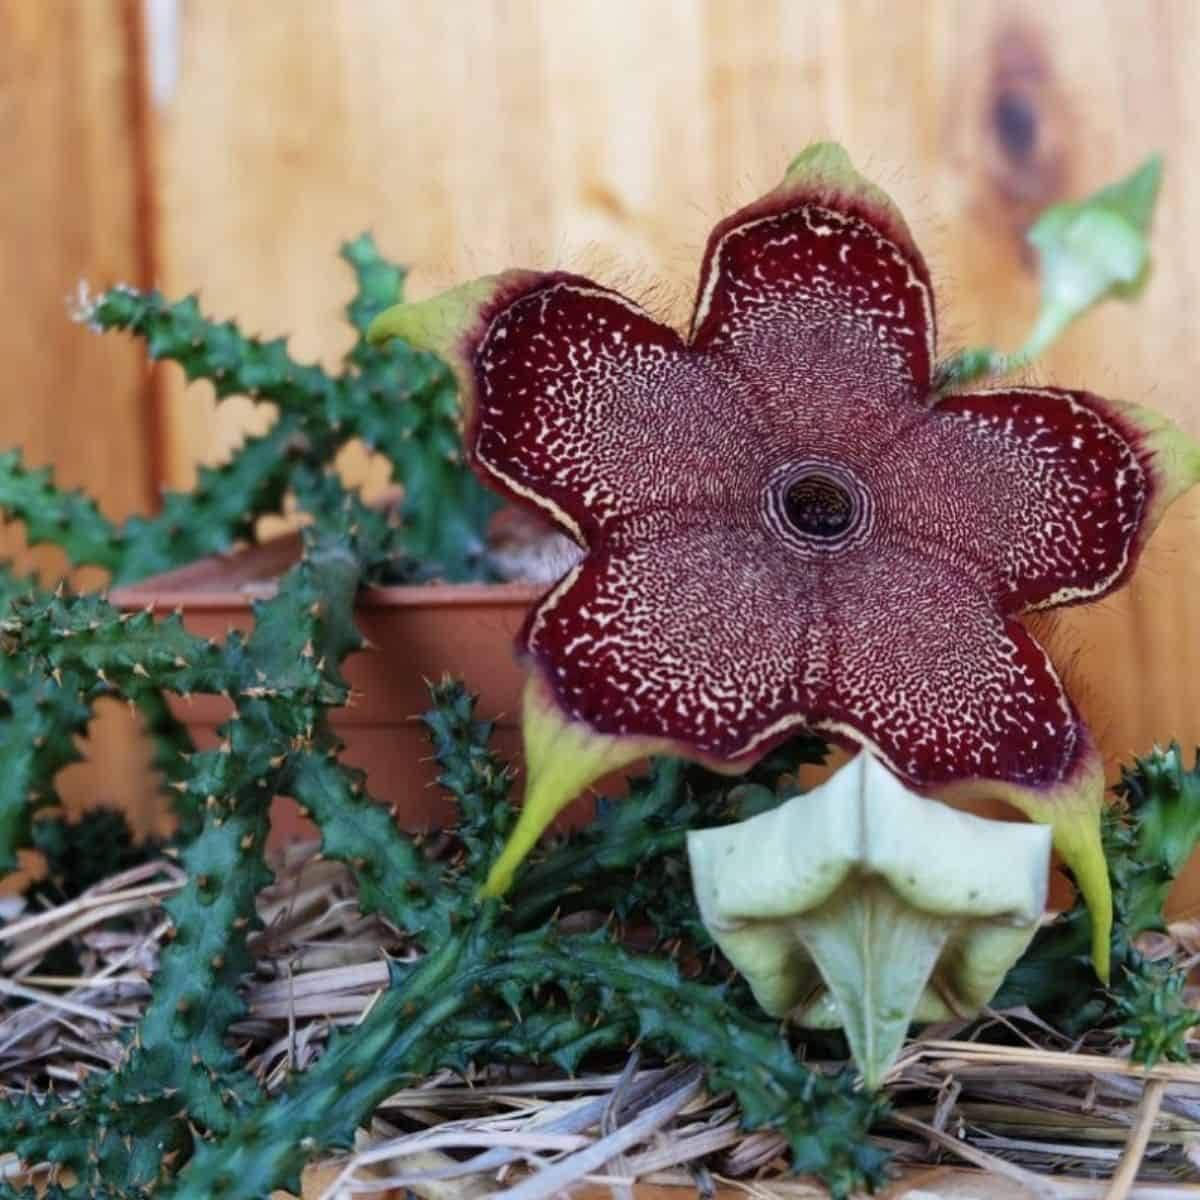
(417, 634)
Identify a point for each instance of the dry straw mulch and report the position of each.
(1033, 1119)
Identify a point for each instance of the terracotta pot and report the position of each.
(419, 633)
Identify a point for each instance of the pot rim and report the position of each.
(147, 594)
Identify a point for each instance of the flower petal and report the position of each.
(1047, 496)
(721, 640)
(696, 634)
(562, 758)
(576, 401)
(823, 270)
(574, 384)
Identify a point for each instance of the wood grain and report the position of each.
(69, 208)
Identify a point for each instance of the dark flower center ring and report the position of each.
(818, 506)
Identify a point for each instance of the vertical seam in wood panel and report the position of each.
(147, 227)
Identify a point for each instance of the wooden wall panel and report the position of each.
(69, 211)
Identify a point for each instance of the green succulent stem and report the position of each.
(412, 1031)
(396, 401)
(647, 827)
(40, 719)
(172, 750)
(178, 1074)
(50, 515)
(394, 877)
(221, 510)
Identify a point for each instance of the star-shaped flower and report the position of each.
(787, 526)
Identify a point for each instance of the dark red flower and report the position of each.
(786, 525)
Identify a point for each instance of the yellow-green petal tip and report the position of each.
(1075, 828)
(825, 168)
(826, 159)
(562, 758)
(434, 324)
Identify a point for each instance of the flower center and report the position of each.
(818, 506)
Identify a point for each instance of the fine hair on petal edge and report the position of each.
(666, 300)
(1071, 649)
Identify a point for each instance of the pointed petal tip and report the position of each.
(1072, 809)
(826, 159)
(1171, 455)
(1077, 838)
(1177, 455)
(437, 323)
(1076, 833)
(826, 167)
(563, 757)
(391, 323)
(744, 253)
